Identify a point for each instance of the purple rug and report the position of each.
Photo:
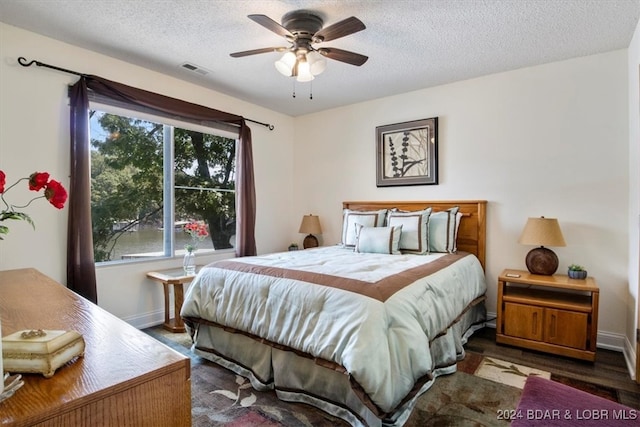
(551, 404)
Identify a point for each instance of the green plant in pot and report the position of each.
(577, 272)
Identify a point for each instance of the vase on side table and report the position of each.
(189, 262)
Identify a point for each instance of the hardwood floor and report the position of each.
(609, 369)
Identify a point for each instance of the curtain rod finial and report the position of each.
(23, 61)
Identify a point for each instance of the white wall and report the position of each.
(549, 140)
(634, 188)
(34, 135)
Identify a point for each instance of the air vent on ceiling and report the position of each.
(195, 68)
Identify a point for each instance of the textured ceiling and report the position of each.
(410, 44)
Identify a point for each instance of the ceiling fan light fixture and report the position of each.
(303, 28)
(303, 70)
(317, 63)
(285, 64)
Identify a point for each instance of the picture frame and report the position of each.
(407, 153)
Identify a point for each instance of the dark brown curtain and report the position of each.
(245, 196)
(81, 269)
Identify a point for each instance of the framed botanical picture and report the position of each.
(408, 153)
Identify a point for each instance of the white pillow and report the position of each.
(443, 230)
(415, 230)
(378, 240)
(366, 218)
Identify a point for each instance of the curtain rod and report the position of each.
(23, 61)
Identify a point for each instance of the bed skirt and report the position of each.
(299, 378)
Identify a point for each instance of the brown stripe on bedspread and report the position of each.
(381, 290)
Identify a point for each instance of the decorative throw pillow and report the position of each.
(415, 230)
(366, 218)
(378, 240)
(443, 230)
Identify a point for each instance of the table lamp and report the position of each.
(311, 225)
(542, 232)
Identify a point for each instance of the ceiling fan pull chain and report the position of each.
(294, 88)
(310, 90)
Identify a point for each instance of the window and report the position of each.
(149, 177)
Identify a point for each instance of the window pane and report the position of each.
(127, 192)
(204, 188)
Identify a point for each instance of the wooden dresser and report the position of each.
(125, 378)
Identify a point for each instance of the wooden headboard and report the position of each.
(472, 233)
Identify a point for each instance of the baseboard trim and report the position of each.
(611, 341)
(146, 320)
(630, 358)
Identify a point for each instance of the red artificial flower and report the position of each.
(38, 180)
(197, 231)
(55, 194)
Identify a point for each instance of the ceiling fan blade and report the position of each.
(340, 29)
(270, 24)
(257, 51)
(343, 55)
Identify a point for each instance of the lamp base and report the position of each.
(542, 261)
(310, 242)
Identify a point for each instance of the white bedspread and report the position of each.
(382, 344)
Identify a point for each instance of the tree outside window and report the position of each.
(128, 187)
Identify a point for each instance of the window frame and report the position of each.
(106, 105)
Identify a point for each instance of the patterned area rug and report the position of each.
(221, 398)
(507, 373)
(477, 394)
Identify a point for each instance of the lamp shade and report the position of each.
(303, 70)
(542, 232)
(285, 64)
(310, 225)
(317, 63)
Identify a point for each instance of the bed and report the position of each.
(351, 329)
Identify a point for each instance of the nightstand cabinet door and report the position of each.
(566, 328)
(524, 321)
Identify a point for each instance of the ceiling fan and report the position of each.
(302, 29)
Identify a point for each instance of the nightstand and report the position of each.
(554, 314)
(176, 278)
